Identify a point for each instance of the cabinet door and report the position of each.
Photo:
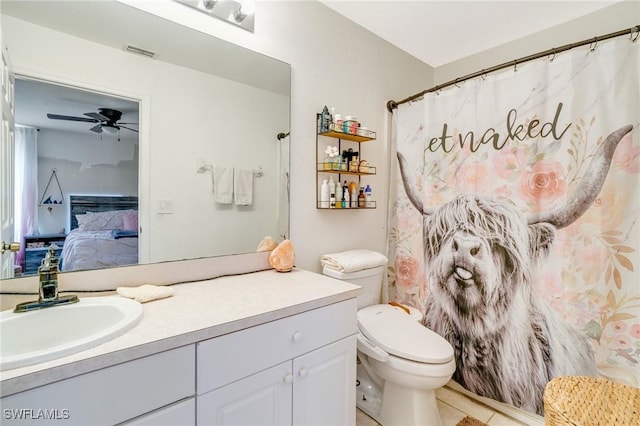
(261, 399)
(324, 390)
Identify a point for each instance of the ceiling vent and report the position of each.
(140, 51)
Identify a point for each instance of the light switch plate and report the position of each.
(165, 206)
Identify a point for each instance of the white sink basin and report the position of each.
(42, 335)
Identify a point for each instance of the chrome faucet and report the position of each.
(48, 286)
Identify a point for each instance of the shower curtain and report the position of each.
(508, 230)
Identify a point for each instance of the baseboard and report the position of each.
(524, 416)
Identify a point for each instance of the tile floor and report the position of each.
(453, 407)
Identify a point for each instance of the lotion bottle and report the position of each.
(368, 196)
(324, 194)
(332, 186)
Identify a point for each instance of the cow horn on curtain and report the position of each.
(516, 218)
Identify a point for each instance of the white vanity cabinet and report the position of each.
(111, 395)
(298, 370)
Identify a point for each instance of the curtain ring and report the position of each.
(553, 55)
(593, 45)
(631, 37)
(455, 83)
(515, 65)
(483, 75)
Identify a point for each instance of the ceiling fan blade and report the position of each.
(126, 123)
(128, 128)
(71, 118)
(96, 116)
(97, 128)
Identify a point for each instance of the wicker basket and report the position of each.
(586, 401)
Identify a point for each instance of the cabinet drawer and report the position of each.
(228, 358)
(181, 413)
(110, 395)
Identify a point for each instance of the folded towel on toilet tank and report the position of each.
(353, 260)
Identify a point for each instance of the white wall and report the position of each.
(622, 15)
(84, 164)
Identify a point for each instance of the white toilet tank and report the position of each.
(370, 279)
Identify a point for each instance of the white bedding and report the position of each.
(97, 249)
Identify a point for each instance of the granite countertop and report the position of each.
(197, 311)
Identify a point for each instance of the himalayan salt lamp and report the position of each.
(283, 257)
(267, 244)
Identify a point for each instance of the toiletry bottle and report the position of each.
(354, 197)
(338, 195)
(347, 199)
(324, 194)
(345, 195)
(332, 201)
(361, 200)
(368, 196)
(332, 186)
(325, 119)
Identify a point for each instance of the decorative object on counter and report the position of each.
(267, 244)
(325, 119)
(145, 293)
(283, 257)
(331, 159)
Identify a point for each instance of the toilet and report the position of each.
(401, 363)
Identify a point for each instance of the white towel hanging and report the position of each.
(243, 187)
(222, 184)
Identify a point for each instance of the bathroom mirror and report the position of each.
(203, 103)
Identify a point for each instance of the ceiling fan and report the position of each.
(106, 119)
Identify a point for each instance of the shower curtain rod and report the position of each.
(391, 105)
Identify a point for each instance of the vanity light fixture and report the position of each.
(236, 12)
(209, 4)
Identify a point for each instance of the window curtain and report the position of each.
(26, 185)
(515, 225)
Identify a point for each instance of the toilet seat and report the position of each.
(399, 334)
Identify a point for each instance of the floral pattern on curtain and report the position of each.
(526, 137)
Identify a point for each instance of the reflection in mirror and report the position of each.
(202, 106)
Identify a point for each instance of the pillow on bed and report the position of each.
(130, 220)
(101, 221)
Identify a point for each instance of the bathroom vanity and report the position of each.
(259, 348)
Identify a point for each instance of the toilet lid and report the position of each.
(399, 334)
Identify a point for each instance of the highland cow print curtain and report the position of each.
(516, 221)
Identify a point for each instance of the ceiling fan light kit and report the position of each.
(106, 119)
